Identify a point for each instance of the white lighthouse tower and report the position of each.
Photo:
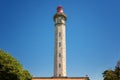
(60, 49)
(60, 43)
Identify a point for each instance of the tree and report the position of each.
(109, 75)
(11, 69)
(26, 75)
(117, 71)
(112, 74)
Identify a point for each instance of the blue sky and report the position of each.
(93, 35)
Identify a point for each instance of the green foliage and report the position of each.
(117, 71)
(27, 75)
(112, 74)
(109, 75)
(11, 69)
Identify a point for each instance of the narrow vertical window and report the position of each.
(59, 34)
(59, 44)
(59, 75)
(59, 55)
(59, 65)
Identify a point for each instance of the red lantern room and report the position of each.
(60, 9)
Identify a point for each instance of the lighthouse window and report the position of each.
(59, 34)
(59, 75)
(59, 44)
(59, 65)
(59, 55)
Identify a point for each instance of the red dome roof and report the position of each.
(59, 9)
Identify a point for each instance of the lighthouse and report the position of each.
(60, 72)
(60, 43)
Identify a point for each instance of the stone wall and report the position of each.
(70, 78)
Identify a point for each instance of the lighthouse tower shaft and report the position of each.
(60, 44)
